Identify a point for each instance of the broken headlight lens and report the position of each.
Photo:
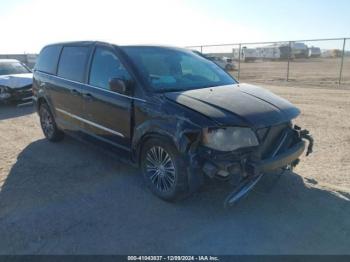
(229, 138)
(4, 92)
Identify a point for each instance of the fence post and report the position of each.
(26, 58)
(342, 62)
(289, 56)
(239, 61)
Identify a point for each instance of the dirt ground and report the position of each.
(70, 198)
(326, 114)
(311, 72)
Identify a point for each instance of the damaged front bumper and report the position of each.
(23, 94)
(244, 169)
(283, 160)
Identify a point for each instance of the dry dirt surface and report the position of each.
(311, 72)
(70, 198)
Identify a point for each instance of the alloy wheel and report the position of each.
(160, 169)
(47, 122)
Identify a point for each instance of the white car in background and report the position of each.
(225, 63)
(15, 81)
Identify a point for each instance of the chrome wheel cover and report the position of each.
(160, 169)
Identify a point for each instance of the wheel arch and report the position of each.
(40, 101)
(186, 144)
(45, 100)
(181, 141)
(137, 148)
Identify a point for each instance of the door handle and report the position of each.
(75, 92)
(88, 96)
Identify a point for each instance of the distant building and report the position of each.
(314, 51)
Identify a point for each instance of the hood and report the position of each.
(241, 104)
(17, 80)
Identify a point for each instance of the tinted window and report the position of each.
(166, 69)
(48, 58)
(72, 63)
(106, 65)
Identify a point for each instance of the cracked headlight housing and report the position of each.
(229, 138)
(4, 92)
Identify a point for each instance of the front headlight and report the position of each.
(229, 138)
(4, 92)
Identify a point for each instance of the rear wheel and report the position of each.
(163, 169)
(48, 124)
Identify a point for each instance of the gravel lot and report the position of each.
(70, 198)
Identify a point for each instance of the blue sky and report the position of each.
(286, 19)
(171, 22)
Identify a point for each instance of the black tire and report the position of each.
(48, 124)
(167, 185)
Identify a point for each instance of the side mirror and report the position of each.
(118, 85)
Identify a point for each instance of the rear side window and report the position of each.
(48, 58)
(73, 62)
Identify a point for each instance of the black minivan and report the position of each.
(171, 111)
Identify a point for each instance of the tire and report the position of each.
(168, 181)
(48, 124)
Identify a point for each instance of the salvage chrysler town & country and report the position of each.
(174, 113)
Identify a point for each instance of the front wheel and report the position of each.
(163, 169)
(48, 124)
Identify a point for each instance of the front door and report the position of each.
(108, 113)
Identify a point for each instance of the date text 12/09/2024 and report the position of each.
(173, 258)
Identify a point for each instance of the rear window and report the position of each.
(48, 58)
(73, 62)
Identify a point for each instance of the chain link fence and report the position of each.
(316, 62)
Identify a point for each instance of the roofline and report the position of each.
(86, 43)
(91, 42)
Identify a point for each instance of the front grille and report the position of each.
(27, 87)
(23, 92)
(271, 139)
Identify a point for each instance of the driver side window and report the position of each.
(105, 66)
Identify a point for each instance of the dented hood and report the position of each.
(241, 104)
(16, 80)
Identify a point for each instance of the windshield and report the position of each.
(167, 69)
(12, 68)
